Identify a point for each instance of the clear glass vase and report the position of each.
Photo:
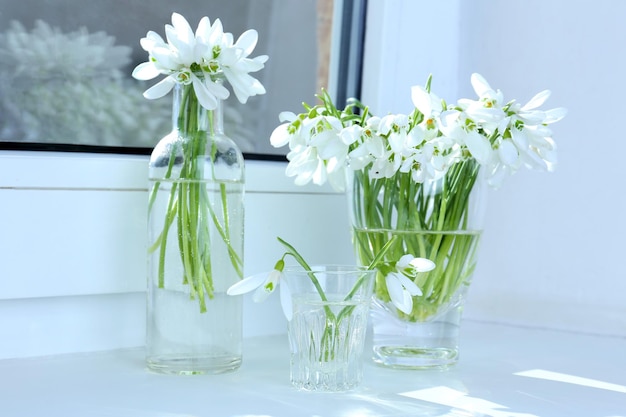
(327, 334)
(440, 220)
(195, 238)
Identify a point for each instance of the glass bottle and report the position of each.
(195, 243)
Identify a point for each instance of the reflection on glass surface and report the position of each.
(65, 68)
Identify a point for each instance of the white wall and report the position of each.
(72, 247)
(553, 245)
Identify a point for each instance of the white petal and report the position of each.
(481, 86)
(534, 117)
(405, 261)
(182, 26)
(151, 40)
(160, 89)
(422, 264)
(421, 100)
(395, 290)
(537, 100)
(409, 286)
(216, 89)
(508, 152)
(261, 59)
(329, 145)
(248, 284)
(554, 115)
(216, 37)
(243, 84)
(230, 56)
(247, 41)
(145, 71)
(399, 296)
(479, 146)
(203, 29)
(376, 147)
(280, 136)
(450, 123)
(181, 37)
(165, 58)
(206, 99)
(320, 175)
(287, 116)
(519, 138)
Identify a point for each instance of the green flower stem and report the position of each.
(189, 205)
(346, 311)
(430, 223)
(296, 255)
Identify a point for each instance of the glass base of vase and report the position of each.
(177, 365)
(320, 381)
(402, 344)
(407, 357)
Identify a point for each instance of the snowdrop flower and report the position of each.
(203, 59)
(263, 285)
(455, 125)
(318, 150)
(386, 166)
(367, 149)
(400, 286)
(487, 110)
(529, 132)
(431, 108)
(306, 165)
(368, 146)
(237, 65)
(289, 132)
(524, 138)
(420, 164)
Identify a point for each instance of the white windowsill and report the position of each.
(488, 381)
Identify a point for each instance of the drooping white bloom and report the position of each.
(454, 125)
(237, 66)
(431, 108)
(428, 103)
(524, 139)
(411, 266)
(265, 284)
(400, 285)
(306, 166)
(401, 291)
(319, 150)
(487, 110)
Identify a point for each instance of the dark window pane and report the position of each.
(65, 68)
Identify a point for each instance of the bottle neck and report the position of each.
(189, 117)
